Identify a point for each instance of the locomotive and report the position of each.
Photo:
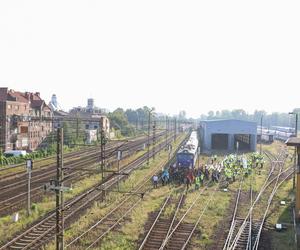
(187, 155)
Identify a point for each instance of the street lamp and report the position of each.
(295, 153)
(296, 125)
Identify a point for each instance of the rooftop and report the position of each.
(293, 141)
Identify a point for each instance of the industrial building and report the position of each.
(227, 136)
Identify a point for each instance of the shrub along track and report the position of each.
(43, 231)
(14, 191)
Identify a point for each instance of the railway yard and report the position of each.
(149, 125)
(125, 211)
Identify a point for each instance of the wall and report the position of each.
(229, 127)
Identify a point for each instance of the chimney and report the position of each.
(37, 93)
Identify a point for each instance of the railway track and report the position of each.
(175, 231)
(161, 225)
(96, 232)
(14, 192)
(245, 231)
(43, 231)
(44, 163)
(182, 231)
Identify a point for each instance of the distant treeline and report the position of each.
(130, 120)
(273, 119)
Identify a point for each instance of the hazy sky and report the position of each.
(175, 55)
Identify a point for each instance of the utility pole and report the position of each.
(296, 127)
(295, 152)
(102, 154)
(59, 192)
(29, 166)
(154, 139)
(77, 128)
(175, 129)
(260, 148)
(119, 155)
(166, 131)
(169, 152)
(148, 143)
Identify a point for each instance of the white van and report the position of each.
(15, 153)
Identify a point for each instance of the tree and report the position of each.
(119, 121)
(225, 114)
(239, 114)
(132, 115)
(210, 115)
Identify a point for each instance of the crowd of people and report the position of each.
(241, 165)
(189, 176)
(232, 166)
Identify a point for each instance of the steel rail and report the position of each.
(127, 169)
(263, 188)
(182, 218)
(232, 226)
(174, 216)
(121, 206)
(85, 161)
(154, 223)
(256, 243)
(199, 218)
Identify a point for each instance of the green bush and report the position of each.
(39, 154)
(34, 207)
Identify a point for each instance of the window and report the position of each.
(95, 126)
(24, 129)
(185, 160)
(8, 106)
(86, 126)
(17, 107)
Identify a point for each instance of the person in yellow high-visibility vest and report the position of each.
(197, 182)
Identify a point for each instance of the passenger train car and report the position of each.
(187, 155)
(283, 133)
(265, 135)
(276, 133)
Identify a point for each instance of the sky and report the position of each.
(172, 55)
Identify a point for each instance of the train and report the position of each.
(186, 156)
(283, 133)
(276, 133)
(265, 136)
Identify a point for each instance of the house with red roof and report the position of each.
(25, 120)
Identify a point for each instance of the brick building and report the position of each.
(94, 117)
(25, 120)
